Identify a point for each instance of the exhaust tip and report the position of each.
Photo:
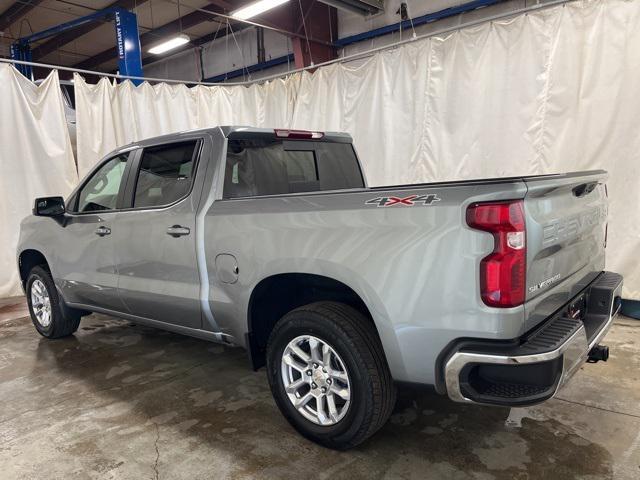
(597, 353)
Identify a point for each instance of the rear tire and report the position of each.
(48, 314)
(355, 370)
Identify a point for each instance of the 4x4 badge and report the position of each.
(411, 200)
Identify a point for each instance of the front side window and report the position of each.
(261, 166)
(100, 193)
(165, 175)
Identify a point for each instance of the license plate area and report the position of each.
(577, 309)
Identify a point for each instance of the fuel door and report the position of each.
(227, 268)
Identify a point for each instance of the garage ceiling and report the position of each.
(93, 46)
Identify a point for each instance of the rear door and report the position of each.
(566, 232)
(155, 235)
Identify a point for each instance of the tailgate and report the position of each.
(566, 219)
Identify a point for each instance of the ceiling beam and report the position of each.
(313, 28)
(70, 35)
(15, 11)
(224, 5)
(289, 31)
(175, 26)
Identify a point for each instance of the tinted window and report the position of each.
(101, 190)
(165, 174)
(274, 167)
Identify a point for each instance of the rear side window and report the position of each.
(275, 167)
(165, 175)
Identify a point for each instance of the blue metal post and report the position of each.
(251, 68)
(127, 39)
(29, 58)
(15, 55)
(63, 27)
(129, 52)
(22, 51)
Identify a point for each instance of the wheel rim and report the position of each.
(41, 303)
(316, 380)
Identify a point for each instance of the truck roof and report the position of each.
(227, 131)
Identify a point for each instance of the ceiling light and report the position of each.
(170, 44)
(256, 8)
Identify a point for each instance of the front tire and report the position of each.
(328, 374)
(48, 314)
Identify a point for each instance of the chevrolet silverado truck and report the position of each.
(491, 291)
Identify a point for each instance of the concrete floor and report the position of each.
(122, 401)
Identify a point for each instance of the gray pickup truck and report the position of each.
(491, 291)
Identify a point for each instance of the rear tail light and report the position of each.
(503, 271)
(298, 134)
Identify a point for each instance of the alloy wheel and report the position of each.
(41, 303)
(316, 380)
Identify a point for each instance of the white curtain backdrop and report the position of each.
(36, 158)
(110, 115)
(553, 91)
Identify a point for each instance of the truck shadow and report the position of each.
(186, 407)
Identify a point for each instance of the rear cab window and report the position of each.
(267, 165)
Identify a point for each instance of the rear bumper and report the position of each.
(532, 369)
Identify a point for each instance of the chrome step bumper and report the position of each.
(533, 370)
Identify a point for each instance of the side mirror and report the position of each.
(49, 207)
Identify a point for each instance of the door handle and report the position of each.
(102, 231)
(178, 231)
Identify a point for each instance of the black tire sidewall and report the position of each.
(303, 322)
(39, 273)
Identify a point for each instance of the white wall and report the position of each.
(223, 55)
(182, 66)
(350, 23)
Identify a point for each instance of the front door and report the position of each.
(86, 263)
(155, 236)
